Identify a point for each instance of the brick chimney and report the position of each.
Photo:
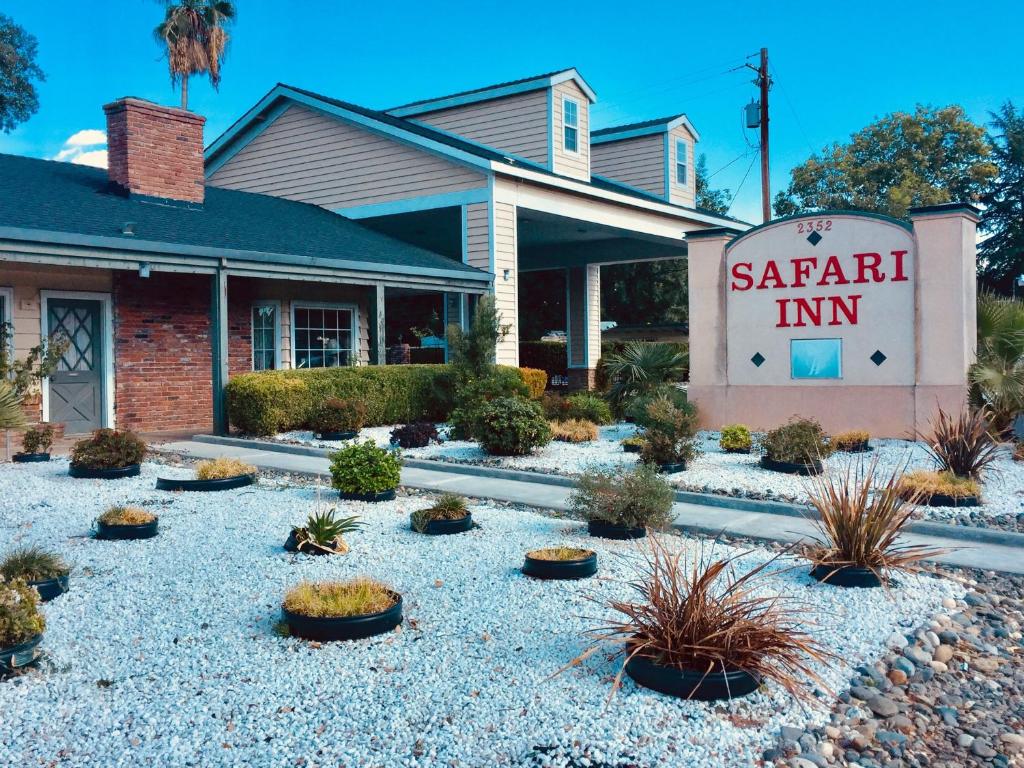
(154, 150)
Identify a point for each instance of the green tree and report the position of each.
(640, 294)
(1002, 252)
(18, 69)
(195, 36)
(714, 200)
(935, 155)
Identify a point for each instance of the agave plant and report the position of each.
(640, 367)
(325, 531)
(997, 378)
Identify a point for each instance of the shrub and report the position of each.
(640, 367)
(548, 356)
(589, 407)
(32, 564)
(20, 619)
(419, 434)
(636, 408)
(637, 440)
(669, 430)
(573, 431)
(336, 414)
(365, 468)
(223, 468)
(638, 498)
(536, 382)
(108, 449)
(861, 519)
(449, 506)
(962, 444)
(799, 441)
(924, 485)
(126, 516)
(38, 439)
(325, 531)
(851, 440)
(338, 599)
(556, 407)
(511, 426)
(735, 437)
(473, 394)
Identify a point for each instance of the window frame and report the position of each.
(575, 126)
(7, 316)
(685, 164)
(839, 374)
(353, 309)
(276, 305)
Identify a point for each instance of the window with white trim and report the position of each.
(266, 336)
(681, 166)
(323, 336)
(570, 125)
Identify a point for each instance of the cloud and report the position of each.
(85, 147)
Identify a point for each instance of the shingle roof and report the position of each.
(482, 89)
(636, 126)
(75, 199)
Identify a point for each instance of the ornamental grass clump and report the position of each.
(223, 468)
(588, 407)
(108, 449)
(850, 441)
(962, 443)
(339, 599)
(449, 506)
(511, 426)
(862, 516)
(33, 564)
(574, 431)
(695, 614)
(560, 554)
(126, 516)
(799, 441)
(736, 438)
(20, 619)
(640, 498)
(336, 414)
(365, 468)
(923, 485)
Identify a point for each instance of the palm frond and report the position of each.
(11, 415)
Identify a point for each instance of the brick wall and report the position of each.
(240, 298)
(163, 377)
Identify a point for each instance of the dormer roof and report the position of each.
(644, 128)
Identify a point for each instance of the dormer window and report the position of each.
(681, 169)
(570, 125)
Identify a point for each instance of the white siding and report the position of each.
(584, 288)
(677, 194)
(479, 240)
(575, 165)
(514, 124)
(638, 162)
(308, 156)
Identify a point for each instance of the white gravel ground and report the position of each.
(164, 654)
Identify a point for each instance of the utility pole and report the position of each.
(764, 83)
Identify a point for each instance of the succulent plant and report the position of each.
(325, 531)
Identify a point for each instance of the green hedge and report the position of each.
(548, 356)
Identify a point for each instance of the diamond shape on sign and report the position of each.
(757, 359)
(878, 358)
(814, 238)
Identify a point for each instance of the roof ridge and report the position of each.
(482, 89)
(638, 123)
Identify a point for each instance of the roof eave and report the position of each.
(650, 130)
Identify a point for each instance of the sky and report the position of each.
(835, 67)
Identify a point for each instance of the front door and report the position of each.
(76, 387)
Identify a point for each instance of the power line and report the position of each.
(789, 103)
(745, 175)
(735, 159)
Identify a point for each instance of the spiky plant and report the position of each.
(997, 378)
(962, 443)
(325, 531)
(449, 506)
(33, 564)
(640, 367)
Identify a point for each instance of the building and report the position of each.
(283, 242)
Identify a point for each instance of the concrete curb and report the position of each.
(940, 530)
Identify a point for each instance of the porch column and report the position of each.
(376, 314)
(219, 349)
(583, 324)
(455, 313)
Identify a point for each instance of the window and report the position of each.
(681, 157)
(570, 125)
(816, 358)
(6, 329)
(323, 336)
(266, 336)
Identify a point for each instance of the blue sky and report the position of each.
(835, 70)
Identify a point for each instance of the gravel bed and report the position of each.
(164, 651)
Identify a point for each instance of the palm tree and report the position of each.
(997, 378)
(194, 34)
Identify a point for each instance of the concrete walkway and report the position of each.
(696, 518)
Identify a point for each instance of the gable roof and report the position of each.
(643, 128)
(50, 201)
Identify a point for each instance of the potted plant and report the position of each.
(861, 518)
(43, 571)
(126, 523)
(449, 514)
(735, 438)
(36, 444)
(962, 448)
(21, 625)
(851, 441)
(623, 505)
(700, 630)
(341, 610)
(796, 447)
(574, 431)
(338, 418)
(365, 472)
(633, 443)
(560, 563)
(418, 434)
(670, 428)
(107, 454)
(511, 426)
(212, 475)
(940, 489)
(323, 533)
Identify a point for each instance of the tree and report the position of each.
(18, 69)
(1002, 253)
(644, 293)
(194, 34)
(714, 200)
(935, 155)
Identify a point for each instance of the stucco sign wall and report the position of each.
(859, 321)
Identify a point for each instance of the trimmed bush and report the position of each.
(735, 437)
(511, 426)
(589, 407)
(548, 356)
(536, 381)
(799, 441)
(473, 394)
(337, 414)
(365, 468)
(108, 449)
(639, 498)
(419, 434)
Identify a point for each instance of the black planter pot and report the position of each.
(745, 451)
(29, 458)
(50, 588)
(711, 686)
(346, 628)
(790, 468)
(86, 473)
(605, 530)
(631, 447)
(123, 532)
(373, 497)
(445, 527)
(336, 435)
(846, 576)
(676, 466)
(291, 544)
(560, 569)
(22, 655)
(859, 448)
(221, 484)
(942, 500)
